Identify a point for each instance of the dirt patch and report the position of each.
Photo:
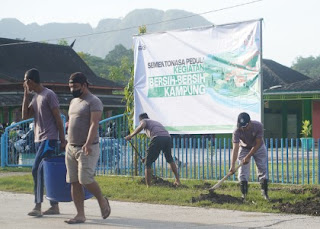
(204, 186)
(158, 181)
(311, 206)
(217, 198)
(314, 191)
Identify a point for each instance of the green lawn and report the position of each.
(132, 189)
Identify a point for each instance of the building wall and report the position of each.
(316, 119)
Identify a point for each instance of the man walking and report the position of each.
(160, 140)
(248, 137)
(82, 151)
(48, 128)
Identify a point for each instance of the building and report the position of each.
(289, 98)
(55, 63)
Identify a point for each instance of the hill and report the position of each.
(100, 44)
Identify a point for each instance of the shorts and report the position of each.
(156, 145)
(80, 167)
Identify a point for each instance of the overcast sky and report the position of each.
(290, 27)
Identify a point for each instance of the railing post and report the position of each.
(3, 158)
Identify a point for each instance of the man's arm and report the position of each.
(27, 110)
(93, 130)
(252, 151)
(57, 117)
(135, 132)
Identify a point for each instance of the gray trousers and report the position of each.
(260, 157)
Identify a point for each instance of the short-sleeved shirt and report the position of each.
(79, 118)
(45, 126)
(154, 128)
(248, 137)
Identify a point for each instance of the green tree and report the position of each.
(121, 73)
(309, 66)
(63, 42)
(114, 57)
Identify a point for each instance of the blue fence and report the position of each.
(204, 157)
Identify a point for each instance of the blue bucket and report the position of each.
(57, 189)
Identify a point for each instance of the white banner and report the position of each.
(197, 81)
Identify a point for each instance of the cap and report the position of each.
(243, 119)
(78, 77)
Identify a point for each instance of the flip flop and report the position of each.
(74, 221)
(36, 213)
(105, 212)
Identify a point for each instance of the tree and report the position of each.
(63, 42)
(309, 66)
(121, 73)
(114, 57)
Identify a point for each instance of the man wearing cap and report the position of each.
(82, 151)
(248, 139)
(48, 128)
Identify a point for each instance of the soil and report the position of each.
(310, 206)
(217, 198)
(157, 181)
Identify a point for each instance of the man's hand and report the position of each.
(246, 160)
(232, 170)
(86, 149)
(128, 138)
(63, 145)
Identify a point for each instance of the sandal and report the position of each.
(105, 212)
(74, 221)
(35, 212)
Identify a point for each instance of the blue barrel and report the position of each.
(57, 189)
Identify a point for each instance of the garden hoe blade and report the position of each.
(217, 185)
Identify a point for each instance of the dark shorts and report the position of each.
(156, 145)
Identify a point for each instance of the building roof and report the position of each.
(14, 99)
(55, 62)
(275, 74)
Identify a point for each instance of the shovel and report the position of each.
(217, 185)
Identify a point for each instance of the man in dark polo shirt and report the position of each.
(248, 139)
(160, 140)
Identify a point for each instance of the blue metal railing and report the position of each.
(17, 144)
(209, 158)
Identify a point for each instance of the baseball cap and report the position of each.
(243, 119)
(78, 77)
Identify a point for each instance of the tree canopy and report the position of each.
(309, 66)
(116, 66)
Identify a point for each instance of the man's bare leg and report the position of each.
(148, 175)
(103, 203)
(78, 199)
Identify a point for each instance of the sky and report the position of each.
(290, 27)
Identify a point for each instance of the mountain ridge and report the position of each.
(110, 32)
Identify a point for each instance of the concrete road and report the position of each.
(14, 208)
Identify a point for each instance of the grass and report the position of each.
(133, 190)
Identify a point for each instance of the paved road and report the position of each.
(14, 208)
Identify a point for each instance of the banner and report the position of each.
(197, 81)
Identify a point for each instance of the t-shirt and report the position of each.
(248, 137)
(154, 128)
(79, 118)
(45, 126)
